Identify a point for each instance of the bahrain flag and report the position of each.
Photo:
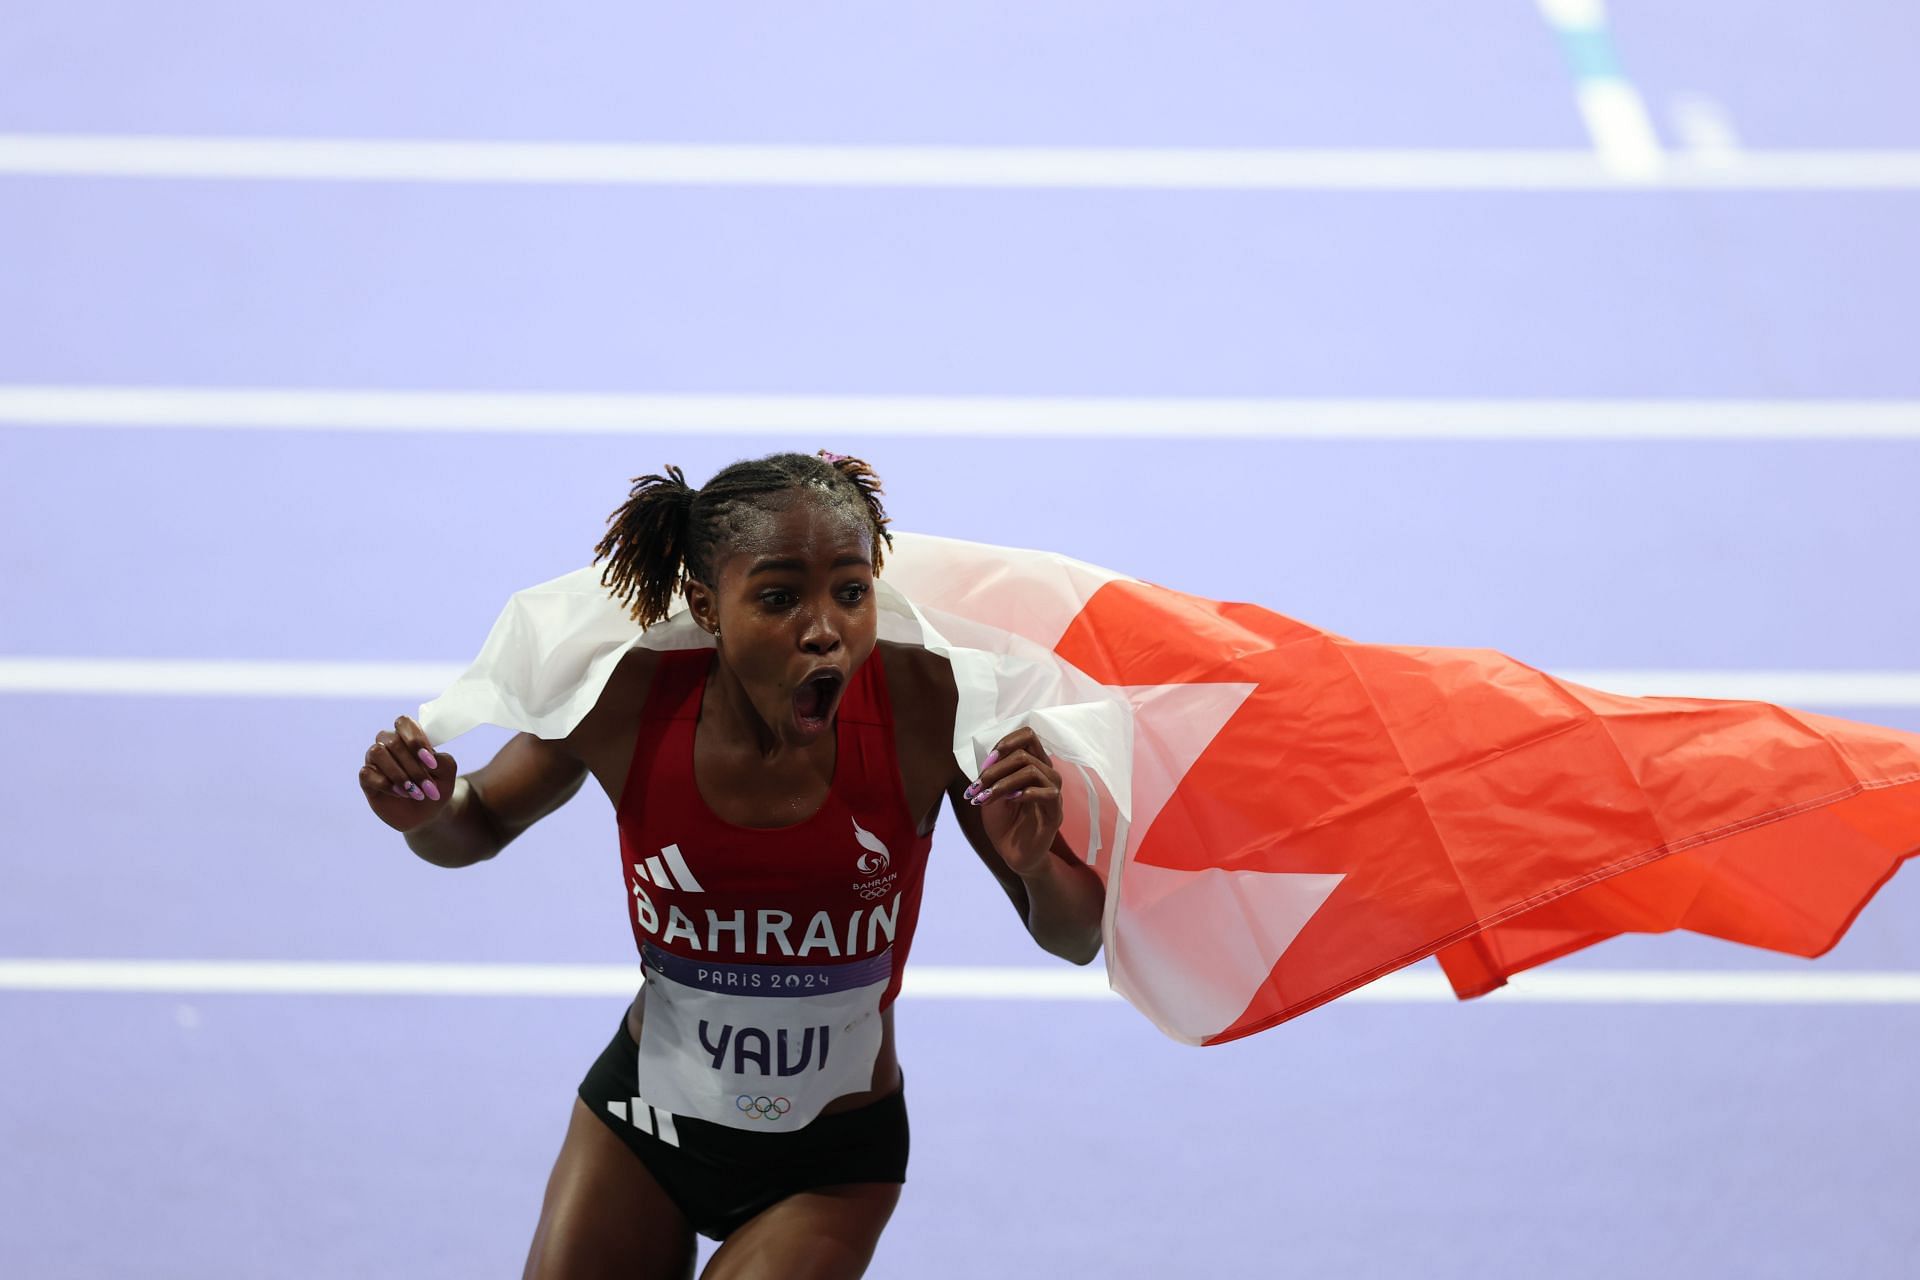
(1281, 815)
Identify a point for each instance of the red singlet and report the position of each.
(768, 952)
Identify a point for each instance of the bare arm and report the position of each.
(455, 820)
(489, 807)
(1059, 896)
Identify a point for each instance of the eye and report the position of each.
(854, 593)
(777, 599)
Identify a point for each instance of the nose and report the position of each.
(818, 633)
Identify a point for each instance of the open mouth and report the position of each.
(813, 701)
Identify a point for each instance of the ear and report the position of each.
(702, 605)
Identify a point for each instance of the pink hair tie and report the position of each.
(834, 458)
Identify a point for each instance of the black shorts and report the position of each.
(720, 1176)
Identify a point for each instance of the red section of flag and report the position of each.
(1480, 809)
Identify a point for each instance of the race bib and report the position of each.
(758, 1046)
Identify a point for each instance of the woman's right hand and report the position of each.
(406, 782)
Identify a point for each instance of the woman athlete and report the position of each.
(775, 799)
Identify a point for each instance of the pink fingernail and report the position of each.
(428, 759)
(433, 792)
(1015, 795)
(982, 797)
(415, 792)
(991, 757)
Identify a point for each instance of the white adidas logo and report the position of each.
(647, 1119)
(654, 871)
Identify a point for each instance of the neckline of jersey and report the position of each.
(693, 771)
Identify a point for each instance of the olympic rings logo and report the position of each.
(762, 1108)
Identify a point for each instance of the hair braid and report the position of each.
(645, 546)
(866, 482)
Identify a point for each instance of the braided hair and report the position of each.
(667, 532)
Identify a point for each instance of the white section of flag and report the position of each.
(977, 417)
(370, 978)
(281, 159)
(166, 677)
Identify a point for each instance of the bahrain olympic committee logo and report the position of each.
(873, 864)
(762, 1108)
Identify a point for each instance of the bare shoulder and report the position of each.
(530, 776)
(604, 740)
(920, 686)
(619, 705)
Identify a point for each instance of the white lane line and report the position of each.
(1199, 169)
(1792, 688)
(184, 677)
(1078, 417)
(298, 977)
(345, 978)
(179, 677)
(1596, 986)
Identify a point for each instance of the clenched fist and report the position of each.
(407, 783)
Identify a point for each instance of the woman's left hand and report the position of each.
(1019, 796)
